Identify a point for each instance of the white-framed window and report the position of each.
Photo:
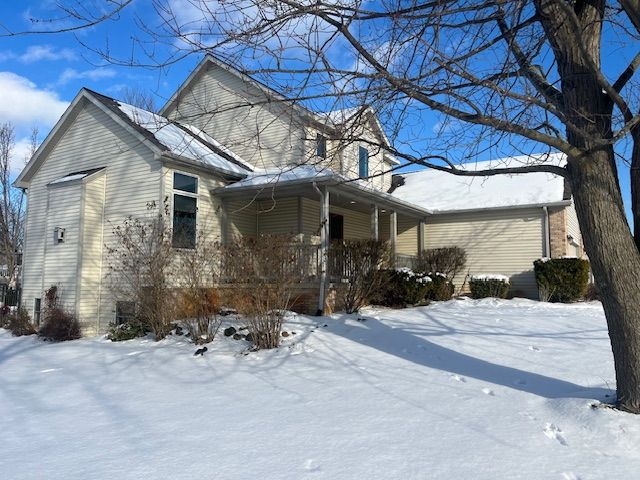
(321, 146)
(37, 308)
(185, 208)
(363, 162)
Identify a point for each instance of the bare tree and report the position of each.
(11, 205)
(503, 75)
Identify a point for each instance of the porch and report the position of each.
(318, 211)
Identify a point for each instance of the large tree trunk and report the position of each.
(635, 184)
(615, 262)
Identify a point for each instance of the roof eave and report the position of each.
(561, 203)
(171, 157)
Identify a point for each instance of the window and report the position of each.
(185, 206)
(185, 183)
(363, 162)
(37, 306)
(125, 312)
(336, 227)
(321, 146)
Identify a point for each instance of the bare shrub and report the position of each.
(19, 323)
(140, 266)
(360, 262)
(197, 273)
(446, 260)
(264, 271)
(58, 324)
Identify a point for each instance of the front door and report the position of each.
(336, 227)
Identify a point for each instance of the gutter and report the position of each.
(547, 233)
(561, 203)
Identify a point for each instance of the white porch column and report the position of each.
(324, 246)
(421, 232)
(393, 235)
(374, 223)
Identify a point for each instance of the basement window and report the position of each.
(125, 312)
(37, 307)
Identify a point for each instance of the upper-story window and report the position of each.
(363, 162)
(185, 206)
(321, 146)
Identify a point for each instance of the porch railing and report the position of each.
(304, 264)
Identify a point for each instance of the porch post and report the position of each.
(393, 235)
(374, 223)
(421, 224)
(324, 247)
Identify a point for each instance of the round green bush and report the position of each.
(562, 280)
(486, 286)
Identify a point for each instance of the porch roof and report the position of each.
(302, 180)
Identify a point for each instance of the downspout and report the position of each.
(547, 233)
(323, 253)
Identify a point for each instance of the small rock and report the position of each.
(249, 337)
(237, 336)
(293, 333)
(229, 331)
(178, 330)
(285, 334)
(325, 325)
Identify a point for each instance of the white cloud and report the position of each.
(96, 74)
(24, 104)
(36, 53)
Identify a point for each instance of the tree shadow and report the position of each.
(415, 348)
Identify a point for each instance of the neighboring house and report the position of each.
(503, 222)
(231, 158)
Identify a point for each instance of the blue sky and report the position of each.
(40, 74)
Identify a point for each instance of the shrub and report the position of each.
(200, 308)
(483, 286)
(446, 260)
(140, 267)
(563, 279)
(265, 271)
(127, 330)
(440, 289)
(403, 287)
(19, 323)
(358, 262)
(58, 325)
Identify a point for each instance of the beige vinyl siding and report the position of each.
(310, 217)
(500, 241)
(237, 115)
(407, 239)
(93, 140)
(242, 218)
(91, 268)
(61, 259)
(357, 225)
(278, 217)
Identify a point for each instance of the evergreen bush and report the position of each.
(563, 279)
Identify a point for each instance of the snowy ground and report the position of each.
(457, 390)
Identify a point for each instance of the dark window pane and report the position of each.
(363, 162)
(185, 183)
(321, 149)
(184, 221)
(125, 312)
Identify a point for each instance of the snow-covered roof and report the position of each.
(443, 192)
(283, 175)
(74, 176)
(184, 140)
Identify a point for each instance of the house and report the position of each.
(234, 158)
(503, 222)
(231, 156)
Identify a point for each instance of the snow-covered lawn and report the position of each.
(458, 390)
